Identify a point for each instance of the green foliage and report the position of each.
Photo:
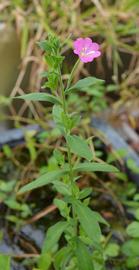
(6, 187)
(30, 143)
(131, 164)
(89, 85)
(79, 147)
(80, 227)
(59, 157)
(50, 244)
(94, 167)
(83, 256)
(133, 229)
(4, 101)
(85, 192)
(53, 235)
(43, 180)
(40, 97)
(13, 204)
(94, 89)
(130, 248)
(4, 262)
(44, 262)
(8, 197)
(63, 208)
(62, 258)
(53, 57)
(118, 30)
(52, 82)
(89, 222)
(7, 151)
(112, 250)
(62, 120)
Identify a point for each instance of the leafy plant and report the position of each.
(80, 226)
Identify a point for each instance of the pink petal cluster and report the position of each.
(86, 49)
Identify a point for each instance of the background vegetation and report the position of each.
(114, 25)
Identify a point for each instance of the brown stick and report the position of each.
(42, 213)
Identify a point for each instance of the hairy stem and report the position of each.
(68, 148)
(72, 73)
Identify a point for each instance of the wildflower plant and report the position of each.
(79, 225)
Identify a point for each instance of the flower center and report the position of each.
(86, 52)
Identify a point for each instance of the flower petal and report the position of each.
(95, 46)
(88, 42)
(86, 58)
(78, 45)
(97, 54)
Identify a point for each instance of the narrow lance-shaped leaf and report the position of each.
(94, 167)
(53, 235)
(79, 147)
(62, 187)
(88, 221)
(85, 83)
(40, 97)
(43, 180)
(83, 256)
(62, 258)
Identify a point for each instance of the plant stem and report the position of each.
(69, 152)
(67, 132)
(72, 73)
(65, 111)
(62, 93)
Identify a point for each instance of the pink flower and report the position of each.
(86, 49)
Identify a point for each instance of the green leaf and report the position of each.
(53, 235)
(132, 262)
(52, 80)
(85, 83)
(131, 248)
(7, 151)
(83, 256)
(98, 260)
(88, 221)
(57, 114)
(79, 147)
(54, 61)
(57, 117)
(99, 218)
(136, 197)
(51, 45)
(133, 229)
(58, 156)
(111, 250)
(136, 213)
(62, 188)
(13, 204)
(43, 180)
(85, 192)
(63, 207)
(4, 262)
(94, 167)
(44, 261)
(62, 257)
(40, 97)
(131, 164)
(7, 186)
